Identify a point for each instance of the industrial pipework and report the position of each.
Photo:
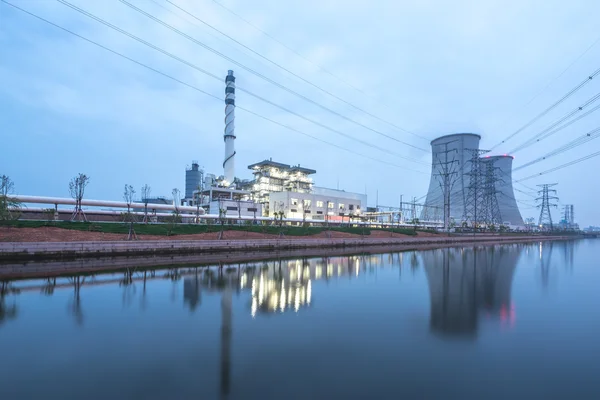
(229, 135)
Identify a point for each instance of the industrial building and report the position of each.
(276, 189)
(467, 188)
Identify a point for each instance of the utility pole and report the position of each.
(546, 198)
(447, 177)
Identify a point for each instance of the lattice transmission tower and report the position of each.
(547, 197)
(490, 209)
(472, 213)
(447, 175)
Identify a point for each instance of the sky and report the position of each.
(406, 72)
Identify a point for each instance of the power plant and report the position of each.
(467, 188)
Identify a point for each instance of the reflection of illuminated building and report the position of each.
(465, 282)
(283, 285)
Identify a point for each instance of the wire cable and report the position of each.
(198, 89)
(254, 72)
(241, 89)
(319, 67)
(568, 164)
(282, 67)
(549, 132)
(591, 135)
(556, 77)
(552, 107)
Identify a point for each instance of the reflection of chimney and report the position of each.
(229, 135)
(191, 291)
(225, 341)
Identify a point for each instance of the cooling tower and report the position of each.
(509, 211)
(450, 155)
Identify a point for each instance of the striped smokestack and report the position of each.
(229, 135)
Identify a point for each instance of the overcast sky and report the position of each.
(431, 67)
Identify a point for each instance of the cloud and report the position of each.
(432, 67)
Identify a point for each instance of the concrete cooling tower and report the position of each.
(450, 154)
(509, 211)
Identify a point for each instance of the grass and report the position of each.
(188, 229)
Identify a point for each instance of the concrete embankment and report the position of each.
(68, 250)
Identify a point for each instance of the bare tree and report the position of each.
(77, 187)
(145, 196)
(176, 217)
(305, 208)
(8, 205)
(222, 217)
(128, 194)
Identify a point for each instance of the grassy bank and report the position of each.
(189, 229)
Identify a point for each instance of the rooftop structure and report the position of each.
(271, 176)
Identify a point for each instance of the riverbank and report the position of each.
(69, 250)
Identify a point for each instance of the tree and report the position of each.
(9, 206)
(222, 217)
(175, 218)
(128, 193)
(239, 207)
(77, 187)
(304, 210)
(49, 212)
(415, 222)
(145, 196)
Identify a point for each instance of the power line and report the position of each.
(568, 164)
(557, 77)
(553, 106)
(591, 135)
(308, 60)
(282, 67)
(549, 132)
(198, 89)
(241, 89)
(253, 72)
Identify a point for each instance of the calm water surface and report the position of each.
(502, 322)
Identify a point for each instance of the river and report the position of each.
(491, 322)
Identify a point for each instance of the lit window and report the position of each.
(329, 204)
(294, 202)
(319, 204)
(306, 203)
(341, 207)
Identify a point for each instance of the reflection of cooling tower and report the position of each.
(455, 152)
(462, 282)
(509, 211)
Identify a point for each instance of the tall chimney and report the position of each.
(229, 135)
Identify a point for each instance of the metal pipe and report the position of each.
(103, 203)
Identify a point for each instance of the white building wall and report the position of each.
(231, 208)
(293, 204)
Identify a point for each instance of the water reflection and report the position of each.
(464, 287)
(464, 283)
